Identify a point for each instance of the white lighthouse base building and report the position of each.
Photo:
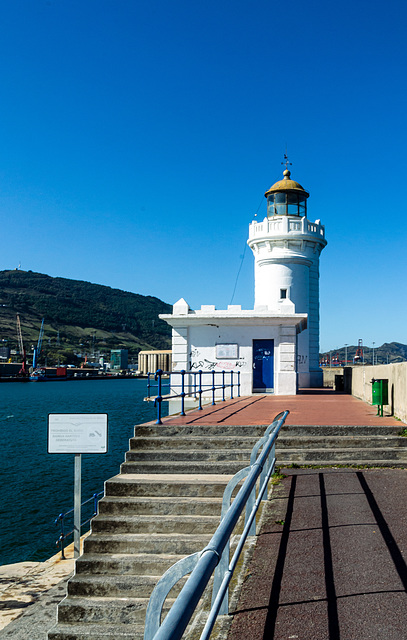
(262, 345)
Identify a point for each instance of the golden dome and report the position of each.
(287, 185)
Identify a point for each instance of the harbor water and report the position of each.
(36, 486)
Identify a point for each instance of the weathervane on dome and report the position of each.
(286, 162)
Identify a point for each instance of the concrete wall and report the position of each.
(329, 374)
(202, 341)
(396, 374)
(194, 348)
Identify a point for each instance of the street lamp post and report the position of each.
(373, 353)
(346, 354)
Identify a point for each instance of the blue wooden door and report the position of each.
(263, 365)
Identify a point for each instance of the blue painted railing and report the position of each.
(61, 519)
(197, 383)
(215, 556)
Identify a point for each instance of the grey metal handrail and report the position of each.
(223, 565)
(202, 564)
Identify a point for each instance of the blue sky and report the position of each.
(137, 139)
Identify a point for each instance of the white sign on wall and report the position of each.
(77, 433)
(229, 350)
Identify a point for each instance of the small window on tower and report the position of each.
(283, 294)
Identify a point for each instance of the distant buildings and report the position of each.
(118, 359)
(150, 361)
(4, 353)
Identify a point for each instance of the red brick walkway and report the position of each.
(311, 407)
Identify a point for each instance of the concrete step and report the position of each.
(126, 586)
(207, 431)
(104, 610)
(338, 455)
(340, 430)
(97, 632)
(125, 564)
(254, 432)
(140, 484)
(160, 505)
(189, 455)
(196, 443)
(177, 544)
(161, 524)
(183, 467)
(362, 441)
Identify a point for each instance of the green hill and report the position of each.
(80, 317)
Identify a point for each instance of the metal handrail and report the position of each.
(223, 565)
(201, 565)
(61, 519)
(194, 389)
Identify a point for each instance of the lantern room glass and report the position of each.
(286, 204)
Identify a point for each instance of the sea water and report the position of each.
(36, 486)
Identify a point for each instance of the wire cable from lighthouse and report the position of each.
(242, 256)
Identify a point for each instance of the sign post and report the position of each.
(77, 433)
(77, 501)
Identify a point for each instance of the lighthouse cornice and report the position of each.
(287, 240)
(285, 247)
(291, 259)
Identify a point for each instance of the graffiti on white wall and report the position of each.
(198, 362)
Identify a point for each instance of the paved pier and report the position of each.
(310, 407)
(329, 562)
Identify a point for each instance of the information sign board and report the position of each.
(77, 433)
(227, 351)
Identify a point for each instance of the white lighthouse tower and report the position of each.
(286, 248)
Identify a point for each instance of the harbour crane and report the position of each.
(359, 352)
(37, 349)
(23, 370)
(335, 360)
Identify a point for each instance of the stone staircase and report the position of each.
(144, 526)
(374, 446)
(166, 504)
